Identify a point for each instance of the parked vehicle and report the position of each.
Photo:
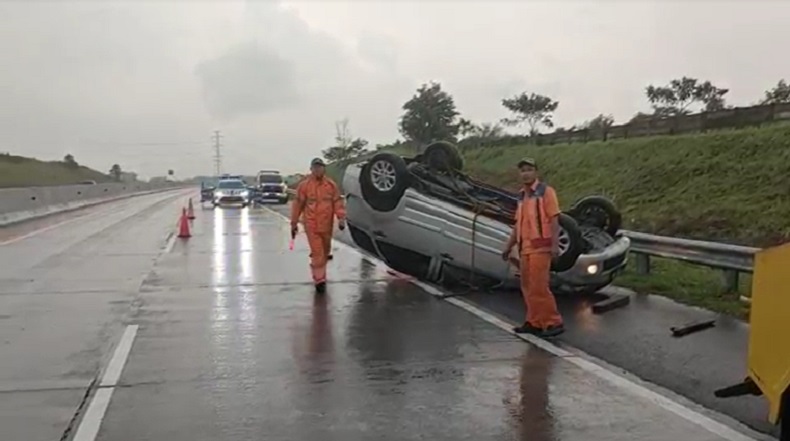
(270, 186)
(206, 192)
(231, 191)
(426, 218)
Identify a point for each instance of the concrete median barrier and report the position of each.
(22, 204)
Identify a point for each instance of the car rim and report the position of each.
(382, 174)
(564, 241)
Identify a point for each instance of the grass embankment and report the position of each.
(727, 186)
(18, 171)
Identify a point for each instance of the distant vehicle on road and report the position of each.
(270, 186)
(231, 191)
(87, 183)
(206, 191)
(424, 217)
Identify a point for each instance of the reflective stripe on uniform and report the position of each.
(534, 226)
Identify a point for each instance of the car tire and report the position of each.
(597, 211)
(443, 156)
(571, 244)
(383, 181)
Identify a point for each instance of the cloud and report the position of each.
(379, 50)
(321, 78)
(144, 84)
(249, 79)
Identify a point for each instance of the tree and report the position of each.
(466, 127)
(337, 153)
(345, 146)
(430, 115)
(600, 123)
(779, 94)
(640, 117)
(115, 172)
(488, 131)
(676, 97)
(534, 109)
(70, 161)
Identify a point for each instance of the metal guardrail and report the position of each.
(732, 259)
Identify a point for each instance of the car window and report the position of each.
(270, 179)
(231, 184)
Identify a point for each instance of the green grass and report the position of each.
(18, 171)
(728, 186)
(688, 284)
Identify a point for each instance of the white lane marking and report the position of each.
(91, 421)
(691, 415)
(119, 357)
(170, 243)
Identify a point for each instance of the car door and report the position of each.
(473, 244)
(408, 237)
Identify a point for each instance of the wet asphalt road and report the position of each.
(233, 344)
(66, 284)
(637, 338)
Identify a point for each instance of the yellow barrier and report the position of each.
(769, 350)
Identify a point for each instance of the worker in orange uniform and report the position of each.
(318, 198)
(536, 232)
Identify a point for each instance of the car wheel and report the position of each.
(597, 211)
(443, 156)
(383, 181)
(571, 244)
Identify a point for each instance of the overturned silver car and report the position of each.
(424, 217)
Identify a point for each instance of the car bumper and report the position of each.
(231, 200)
(595, 269)
(271, 196)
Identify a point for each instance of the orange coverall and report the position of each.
(536, 210)
(318, 201)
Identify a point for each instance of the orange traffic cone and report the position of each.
(190, 210)
(183, 228)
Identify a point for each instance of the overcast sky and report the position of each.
(145, 84)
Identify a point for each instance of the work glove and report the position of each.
(294, 230)
(341, 224)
